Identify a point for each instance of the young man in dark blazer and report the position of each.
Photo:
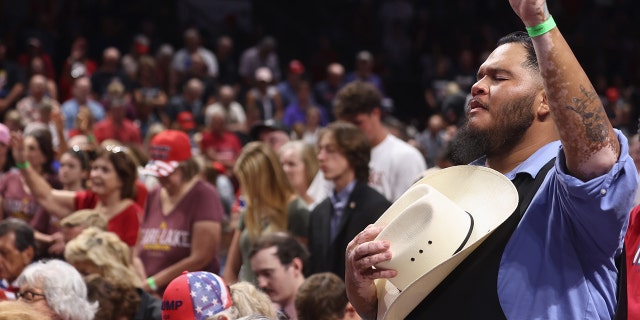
(344, 154)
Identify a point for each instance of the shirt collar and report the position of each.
(532, 164)
(344, 194)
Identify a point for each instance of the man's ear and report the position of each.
(542, 110)
(296, 263)
(350, 313)
(27, 255)
(377, 112)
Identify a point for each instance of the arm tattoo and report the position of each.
(594, 121)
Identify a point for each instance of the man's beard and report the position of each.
(511, 123)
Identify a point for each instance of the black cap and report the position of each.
(270, 125)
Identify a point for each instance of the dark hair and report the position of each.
(523, 38)
(114, 301)
(190, 168)
(45, 143)
(357, 97)
(83, 156)
(125, 166)
(287, 247)
(322, 296)
(23, 232)
(353, 145)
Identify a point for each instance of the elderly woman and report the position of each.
(56, 289)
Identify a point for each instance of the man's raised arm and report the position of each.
(590, 144)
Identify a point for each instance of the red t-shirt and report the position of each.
(90, 200)
(126, 133)
(227, 145)
(632, 248)
(125, 224)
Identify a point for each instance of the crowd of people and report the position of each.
(131, 178)
(192, 181)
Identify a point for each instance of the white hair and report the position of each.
(63, 286)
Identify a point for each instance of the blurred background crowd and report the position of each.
(416, 47)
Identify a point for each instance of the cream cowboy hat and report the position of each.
(435, 225)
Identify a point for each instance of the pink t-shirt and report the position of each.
(17, 203)
(166, 239)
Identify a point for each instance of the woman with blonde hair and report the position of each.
(98, 252)
(271, 206)
(300, 163)
(18, 310)
(102, 252)
(248, 300)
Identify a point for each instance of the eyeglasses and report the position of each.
(29, 296)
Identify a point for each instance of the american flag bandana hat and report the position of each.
(195, 295)
(159, 168)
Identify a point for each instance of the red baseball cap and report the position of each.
(167, 149)
(195, 295)
(296, 67)
(186, 120)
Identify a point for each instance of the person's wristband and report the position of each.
(23, 165)
(152, 284)
(542, 28)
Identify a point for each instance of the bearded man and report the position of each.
(534, 115)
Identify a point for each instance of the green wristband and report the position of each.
(541, 28)
(23, 165)
(152, 284)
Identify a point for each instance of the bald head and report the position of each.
(227, 95)
(193, 89)
(335, 74)
(111, 57)
(37, 85)
(81, 89)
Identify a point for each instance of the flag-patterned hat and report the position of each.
(195, 295)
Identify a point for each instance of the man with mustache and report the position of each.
(278, 261)
(532, 105)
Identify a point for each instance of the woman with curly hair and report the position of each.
(102, 253)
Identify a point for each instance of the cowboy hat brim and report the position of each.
(485, 194)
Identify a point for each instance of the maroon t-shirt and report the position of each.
(17, 203)
(166, 239)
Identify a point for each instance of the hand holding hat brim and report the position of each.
(459, 191)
